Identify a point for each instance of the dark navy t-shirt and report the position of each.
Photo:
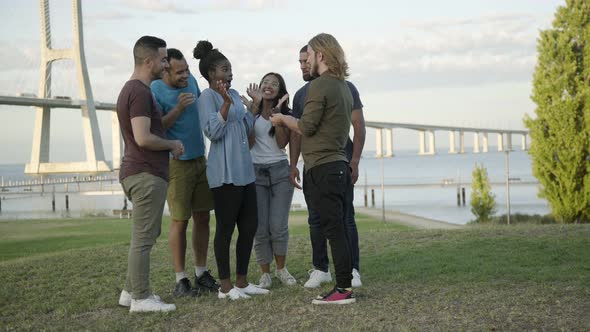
(299, 103)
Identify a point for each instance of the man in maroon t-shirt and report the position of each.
(144, 169)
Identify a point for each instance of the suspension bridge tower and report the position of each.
(95, 160)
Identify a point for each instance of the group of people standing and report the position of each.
(247, 178)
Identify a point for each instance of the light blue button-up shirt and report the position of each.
(229, 160)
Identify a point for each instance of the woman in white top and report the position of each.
(274, 192)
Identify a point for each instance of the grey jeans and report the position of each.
(147, 192)
(274, 194)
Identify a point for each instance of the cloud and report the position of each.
(440, 53)
(183, 7)
(488, 19)
(158, 5)
(109, 16)
(443, 53)
(22, 55)
(253, 5)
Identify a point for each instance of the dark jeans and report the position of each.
(325, 189)
(234, 205)
(318, 240)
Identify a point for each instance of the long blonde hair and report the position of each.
(333, 54)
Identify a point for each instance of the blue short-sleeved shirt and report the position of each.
(187, 127)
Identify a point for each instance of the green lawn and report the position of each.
(67, 275)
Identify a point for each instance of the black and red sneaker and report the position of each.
(336, 296)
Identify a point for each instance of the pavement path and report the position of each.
(407, 219)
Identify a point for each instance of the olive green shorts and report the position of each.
(188, 190)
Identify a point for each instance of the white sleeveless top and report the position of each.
(265, 149)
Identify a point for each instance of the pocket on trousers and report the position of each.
(280, 172)
(336, 177)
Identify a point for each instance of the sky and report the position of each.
(455, 62)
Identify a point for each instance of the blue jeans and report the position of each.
(319, 244)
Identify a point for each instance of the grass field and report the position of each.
(67, 275)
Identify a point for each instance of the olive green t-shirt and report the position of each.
(325, 121)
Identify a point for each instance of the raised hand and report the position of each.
(284, 98)
(222, 88)
(255, 92)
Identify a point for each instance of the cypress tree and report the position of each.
(483, 201)
(560, 132)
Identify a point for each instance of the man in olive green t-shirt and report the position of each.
(324, 127)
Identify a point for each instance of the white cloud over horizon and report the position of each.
(186, 7)
(473, 67)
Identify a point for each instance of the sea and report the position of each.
(421, 185)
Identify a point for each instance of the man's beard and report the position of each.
(157, 75)
(314, 70)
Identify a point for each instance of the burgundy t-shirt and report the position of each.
(136, 99)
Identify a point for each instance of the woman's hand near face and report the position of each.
(222, 88)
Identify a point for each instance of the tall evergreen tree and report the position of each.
(560, 133)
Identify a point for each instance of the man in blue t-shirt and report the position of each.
(188, 192)
(354, 149)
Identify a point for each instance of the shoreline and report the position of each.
(406, 219)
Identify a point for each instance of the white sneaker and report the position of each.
(150, 304)
(253, 290)
(233, 294)
(285, 277)
(316, 278)
(356, 279)
(125, 298)
(265, 281)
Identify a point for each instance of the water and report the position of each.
(440, 201)
(414, 185)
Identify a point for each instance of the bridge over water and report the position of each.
(95, 160)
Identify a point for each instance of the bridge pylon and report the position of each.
(95, 160)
